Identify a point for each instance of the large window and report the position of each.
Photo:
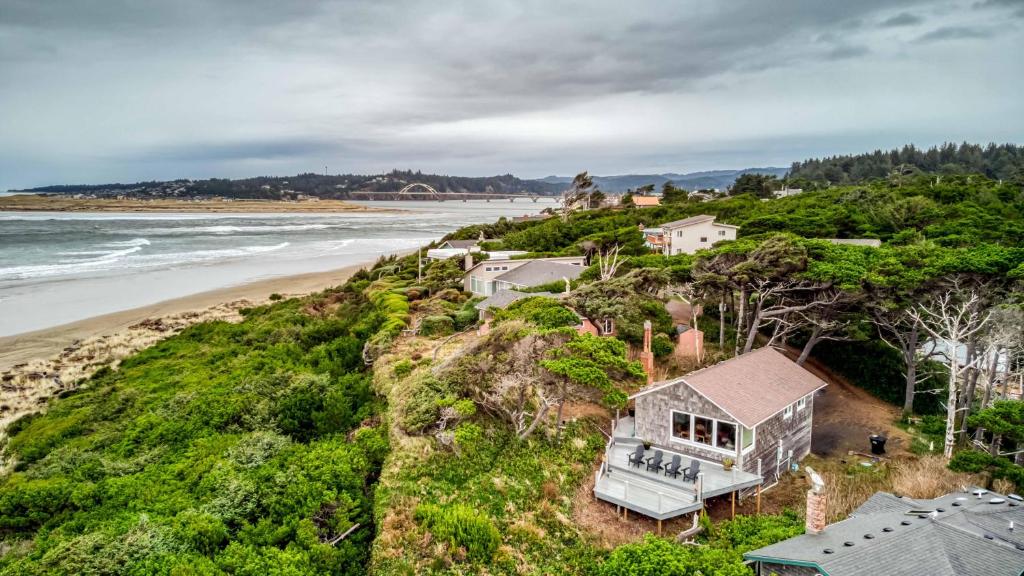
(725, 436)
(680, 425)
(718, 434)
(748, 438)
(703, 430)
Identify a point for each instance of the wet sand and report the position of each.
(47, 342)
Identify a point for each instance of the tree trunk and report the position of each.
(741, 317)
(990, 379)
(721, 324)
(952, 400)
(969, 386)
(1006, 379)
(537, 419)
(910, 358)
(752, 334)
(815, 335)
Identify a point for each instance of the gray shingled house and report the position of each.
(754, 411)
(972, 533)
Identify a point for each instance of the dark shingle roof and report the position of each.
(461, 243)
(503, 298)
(538, 272)
(965, 536)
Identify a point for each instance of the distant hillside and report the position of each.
(323, 186)
(999, 162)
(719, 179)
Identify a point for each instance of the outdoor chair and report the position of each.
(673, 468)
(654, 462)
(636, 458)
(691, 472)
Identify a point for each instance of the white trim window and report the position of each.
(801, 403)
(748, 438)
(704, 432)
(788, 412)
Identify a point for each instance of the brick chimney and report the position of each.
(647, 357)
(816, 504)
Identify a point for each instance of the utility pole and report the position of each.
(419, 264)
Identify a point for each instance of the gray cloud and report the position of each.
(955, 33)
(134, 89)
(902, 19)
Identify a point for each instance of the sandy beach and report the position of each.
(37, 365)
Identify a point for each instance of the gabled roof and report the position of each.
(688, 221)
(751, 388)
(965, 536)
(503, 298)
(538, 272)
(696, 220)
(461, 243)
(646, 201)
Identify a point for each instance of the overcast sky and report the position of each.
(96, 91)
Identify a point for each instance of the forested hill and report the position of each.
(708, 179)
(320, 185)
(996, 161)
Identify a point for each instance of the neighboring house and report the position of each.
(870, 242)
(754, 409)
(646, 201)
(489, 276)
(471, 245)
(654, 238)
(972, 533)
(787, 191)
(445, 253)
(695, 233)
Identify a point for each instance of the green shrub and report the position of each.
(539, 310)
(437, 326)
(655, 556)
(662, 345)
(461, 526)
(402, 368)
(275, 297)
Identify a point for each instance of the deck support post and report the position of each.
(659, 527)
(733, 503)
(625, 513)
(759, 499)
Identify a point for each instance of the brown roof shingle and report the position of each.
(752, 387)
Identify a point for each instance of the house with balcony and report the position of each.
(733, 427)
(688, 235)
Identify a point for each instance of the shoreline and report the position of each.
(45, 342)
(34, 366)
(39, 203)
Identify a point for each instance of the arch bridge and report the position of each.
(423, 191)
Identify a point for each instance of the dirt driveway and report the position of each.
(844, 417)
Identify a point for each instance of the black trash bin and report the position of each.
(877, 444)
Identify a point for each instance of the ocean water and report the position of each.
(57, 268)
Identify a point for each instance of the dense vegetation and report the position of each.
(243, 448)
(320, 185)
(995, 161)
(255, 448)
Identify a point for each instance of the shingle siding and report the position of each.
(653, 423)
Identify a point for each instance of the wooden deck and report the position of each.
(652, 493)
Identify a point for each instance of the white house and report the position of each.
(489, 276)
(695, 233)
